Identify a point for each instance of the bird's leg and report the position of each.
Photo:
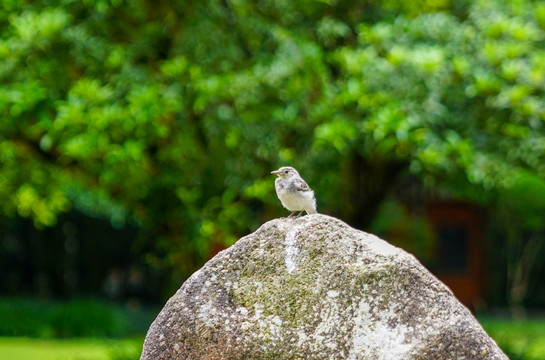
(300, 213)
(292, 214)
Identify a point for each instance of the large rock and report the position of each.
(315, 288)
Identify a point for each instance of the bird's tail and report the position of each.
(311, 211)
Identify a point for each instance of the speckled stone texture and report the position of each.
(315, 288)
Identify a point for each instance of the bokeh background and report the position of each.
(137, 140)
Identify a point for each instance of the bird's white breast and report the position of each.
(295, 200)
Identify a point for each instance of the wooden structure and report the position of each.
(459, 234)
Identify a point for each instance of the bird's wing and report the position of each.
(301, 185)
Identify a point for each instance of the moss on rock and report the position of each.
(314, 288)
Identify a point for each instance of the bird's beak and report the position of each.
(276, 172)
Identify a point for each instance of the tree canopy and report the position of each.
(172, 114)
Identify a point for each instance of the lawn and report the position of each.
(70, 349)
(520, 340)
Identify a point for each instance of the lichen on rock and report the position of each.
(315, 288)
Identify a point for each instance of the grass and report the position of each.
(26, 317)
(520, 340)
(70, 349)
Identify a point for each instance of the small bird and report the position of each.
(293, 192)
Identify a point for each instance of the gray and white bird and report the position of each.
(293, 192)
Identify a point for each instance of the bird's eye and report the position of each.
(286, 171)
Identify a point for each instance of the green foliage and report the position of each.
(87, 318)
(523, 202)
(21, 318)
(172, 115)
(411, 232)
(77, 318)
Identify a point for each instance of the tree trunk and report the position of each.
(371, 181)
(520, 277)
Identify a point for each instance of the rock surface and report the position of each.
(315, 288)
